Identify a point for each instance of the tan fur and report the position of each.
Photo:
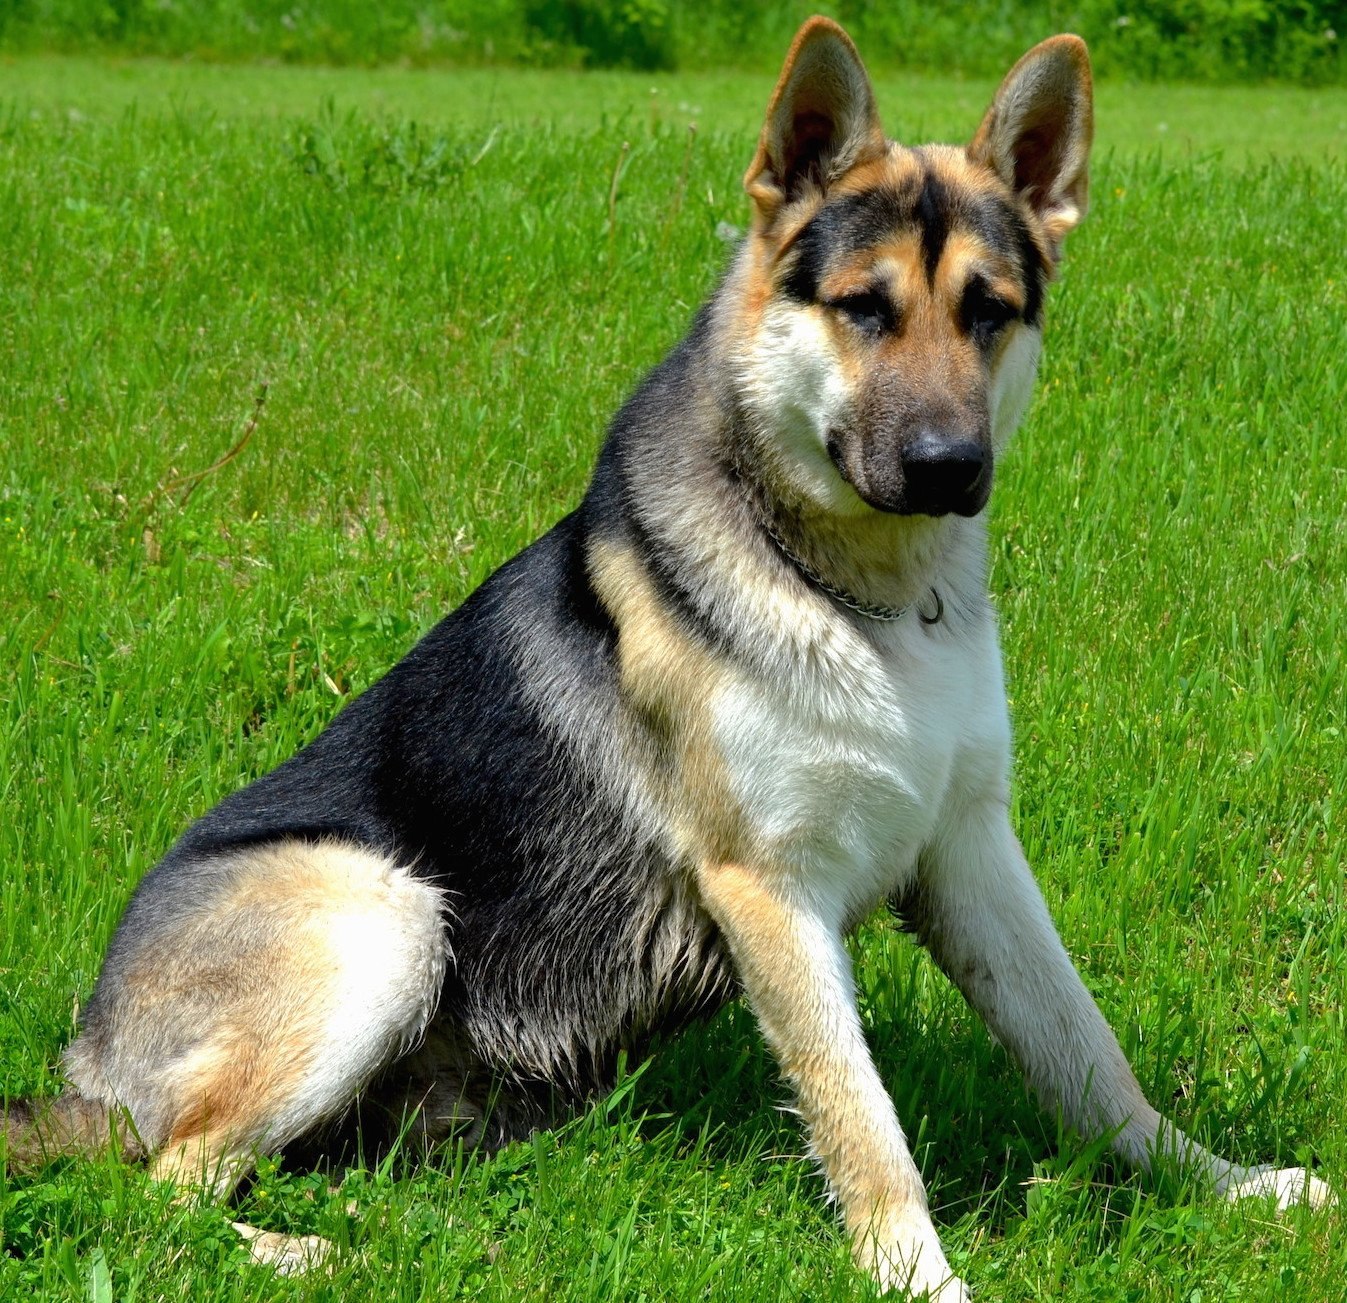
(807, 1022)
(893, 167)
(668, 681)
(965, 254)
(275, 953)
(235, 1084)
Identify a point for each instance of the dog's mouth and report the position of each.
(928, 475)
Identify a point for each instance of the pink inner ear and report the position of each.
(811, 133)
(811, 125)
(1036, 158)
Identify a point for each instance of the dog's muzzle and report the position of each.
(929, 474)
(943, 476)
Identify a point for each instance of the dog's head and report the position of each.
(893, 296)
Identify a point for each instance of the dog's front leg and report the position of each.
(797, 974)
(982, 915)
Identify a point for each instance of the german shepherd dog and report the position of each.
(673, 751)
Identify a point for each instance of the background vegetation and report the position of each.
(448, 281)
(1206, 40)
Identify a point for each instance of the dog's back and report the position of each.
(489, 777)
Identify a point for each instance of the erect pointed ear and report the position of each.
(1036, 135)
(821, 120)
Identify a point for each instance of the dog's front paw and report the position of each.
(911, 1264)
(1288, 1185)
(950, 1290)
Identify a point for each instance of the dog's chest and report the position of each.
(842, 770)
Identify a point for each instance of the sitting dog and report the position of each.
(676, 749)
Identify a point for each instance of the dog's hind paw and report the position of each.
(291, 1255)
(1287, 1185)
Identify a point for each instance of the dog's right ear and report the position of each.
(820, 123)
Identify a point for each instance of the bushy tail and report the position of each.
(34, 1132)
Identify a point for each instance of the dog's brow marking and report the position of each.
(969, 261)
(933, 213)
(851, 223)
(1000, 224)
(932, 206)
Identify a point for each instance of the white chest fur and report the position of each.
(844, 763)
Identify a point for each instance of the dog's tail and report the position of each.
(34, 1132)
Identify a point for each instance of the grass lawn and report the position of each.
(1268, 123)
(426, 271)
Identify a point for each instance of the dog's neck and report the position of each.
(876, 564)
(706, 502)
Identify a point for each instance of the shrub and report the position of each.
(1204, 40)
(606, 33)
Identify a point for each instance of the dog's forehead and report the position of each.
(917, 205)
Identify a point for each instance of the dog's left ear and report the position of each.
(1036, 135)
(820, 123)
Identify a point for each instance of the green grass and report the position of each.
(445, 318)
(1271, 122)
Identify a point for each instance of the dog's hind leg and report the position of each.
(981, 914)
(247, 1000)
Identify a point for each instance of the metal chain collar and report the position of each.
(871, 611)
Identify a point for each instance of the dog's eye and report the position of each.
(870, 313)
(982, 313)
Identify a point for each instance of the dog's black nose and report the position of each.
(942, 474)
